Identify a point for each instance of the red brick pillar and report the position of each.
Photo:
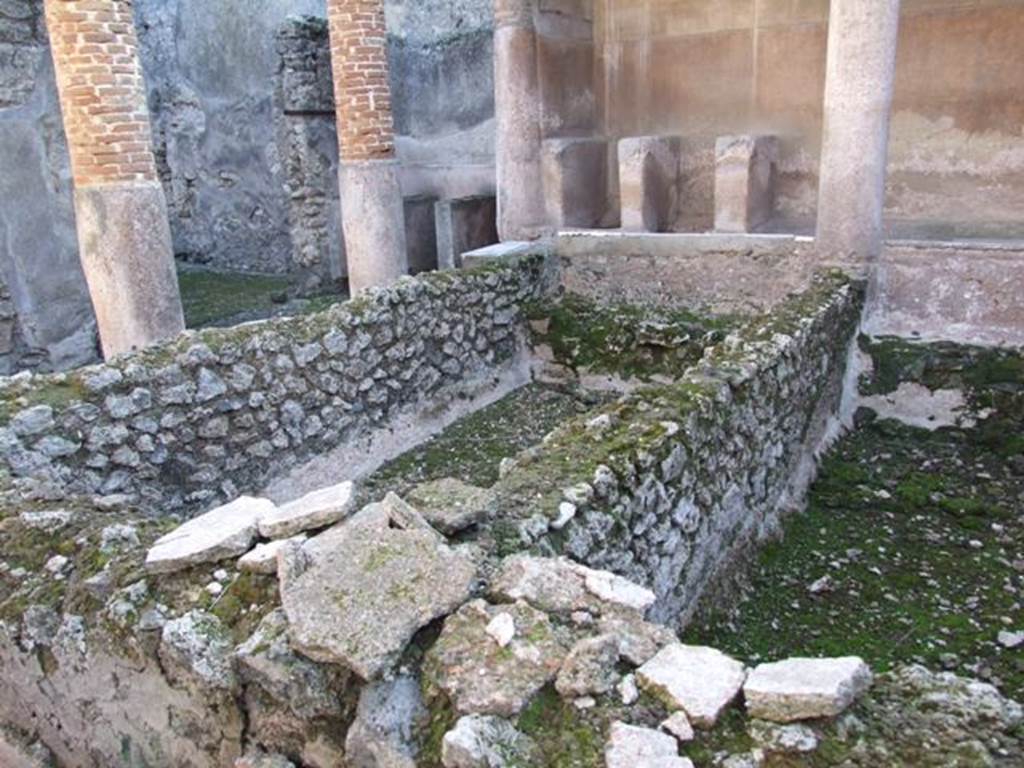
(123, 232)
(521, 211)
(371, 197)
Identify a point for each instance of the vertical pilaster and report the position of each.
(124, 235)
(521, 209)
(862, 41)
(372, 215)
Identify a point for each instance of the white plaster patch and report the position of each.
(918, 406)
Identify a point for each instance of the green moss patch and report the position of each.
(917, 535)
(625, 340)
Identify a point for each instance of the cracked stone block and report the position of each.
(357, 593)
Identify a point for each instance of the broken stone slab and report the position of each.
(631, 746)
(383, 734)
(700, 681)
(451, 505)
(478, 675)
(221, 533)
(357, 593)
(50, 520)
(805, 689)
(558, 585)
(589, 669)
(484, 741)
(315, 510)
(263, 559)
(307, 689)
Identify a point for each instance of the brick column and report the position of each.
(123, 232)
(862, 37)
(521, 210)
(371, 197)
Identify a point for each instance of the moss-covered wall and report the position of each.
(669, 485)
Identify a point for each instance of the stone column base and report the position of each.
(125, 245)
(374, 223)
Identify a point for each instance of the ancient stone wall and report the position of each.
(671, 486)
(216, 413)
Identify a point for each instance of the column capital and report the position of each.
(513, 13)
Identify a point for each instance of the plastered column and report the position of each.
(372, 215)
(521, 208)
(862, 40)
(124, 235)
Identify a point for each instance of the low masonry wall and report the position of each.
(671, 485)
(218, 412)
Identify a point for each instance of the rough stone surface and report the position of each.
(792, 738)
(388, 717)
(804, 689)
(308, 690)
(451, 505)
(316, 510)
(482, 678)
(197, 648)
(630, 746)
(224, 532)
(589, 669)
(356, 594)
(482, 741)
(700, 681)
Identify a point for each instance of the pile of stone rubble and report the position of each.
(356, 594)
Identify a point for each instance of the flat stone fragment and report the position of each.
(263, 559)
(558, 585)
(804, 689)
(678, 724)
(478, 675)
(482, 741)
(780, 739)
(698, 680)
(316, 510)
(632, 747)
(357, 593)
(224, 532)
(451, 505)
